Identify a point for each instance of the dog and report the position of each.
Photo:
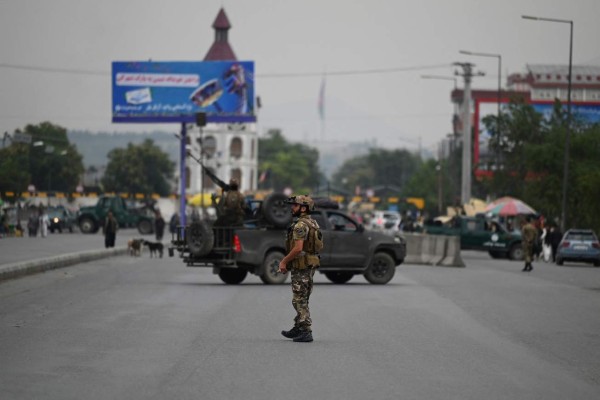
(154, 247)
(134, 246)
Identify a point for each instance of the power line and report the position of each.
(266, 75)
(54, 70)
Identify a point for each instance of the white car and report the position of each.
(386, 220)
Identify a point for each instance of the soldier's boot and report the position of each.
(305, 336)
(292, 333)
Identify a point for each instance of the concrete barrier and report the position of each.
(433, 250)
(18, 269)
(452, 256)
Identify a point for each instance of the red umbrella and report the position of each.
(508, 206)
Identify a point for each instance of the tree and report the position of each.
(142, 168)
(533, 152)
(378, 168)
(50, 162)
(293, 165)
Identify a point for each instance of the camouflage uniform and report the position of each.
(529, 234)
(302, 271)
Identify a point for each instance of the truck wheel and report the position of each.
(339, 277)
(516, 252)
(144, 227)
(381, 270)
(87, 225)
(276, 211)
(232, 276)
(269, 275)
(199, 238)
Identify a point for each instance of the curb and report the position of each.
(18, 269)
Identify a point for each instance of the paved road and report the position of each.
(140, 328)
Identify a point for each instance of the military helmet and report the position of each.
(303, 200)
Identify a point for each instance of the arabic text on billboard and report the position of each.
(176, 91)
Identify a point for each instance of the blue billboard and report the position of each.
(159, 92)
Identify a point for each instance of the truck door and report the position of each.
(475, 234)
(349, 244)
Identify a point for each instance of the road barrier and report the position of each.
(433, 250)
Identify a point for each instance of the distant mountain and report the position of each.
(94, 147)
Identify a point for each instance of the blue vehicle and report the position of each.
(579, 245)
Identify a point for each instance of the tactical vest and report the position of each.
(232, 203)
(313, 244)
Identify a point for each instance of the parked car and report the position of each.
(386, 220)
(61, 219)
(579, 245)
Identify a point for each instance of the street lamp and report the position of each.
(563, 219)
(499, 57)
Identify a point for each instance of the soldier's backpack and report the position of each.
(315, 240)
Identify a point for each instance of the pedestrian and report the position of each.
(173, 223)
(159, 225)
(111, 226)
(33, 223)
(555, 238)
(529, 238)
(303, 243)
(44, 222)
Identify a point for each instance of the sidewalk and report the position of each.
(21, 256)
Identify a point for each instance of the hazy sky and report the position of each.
(398, 109)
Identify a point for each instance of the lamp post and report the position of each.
(563, 219)
(499, 94)
(499, 57)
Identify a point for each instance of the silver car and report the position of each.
(579, 245)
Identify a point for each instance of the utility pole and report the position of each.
(467, 156)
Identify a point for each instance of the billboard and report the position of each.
(159, 92)
(483, 157)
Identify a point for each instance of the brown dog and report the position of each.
(134, 246)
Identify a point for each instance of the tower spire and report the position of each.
(220, 49)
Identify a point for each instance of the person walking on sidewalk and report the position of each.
(111, 226)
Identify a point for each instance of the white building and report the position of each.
(228, 150)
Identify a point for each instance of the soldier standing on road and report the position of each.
(110, 230)
(529, 233)
(303, 243)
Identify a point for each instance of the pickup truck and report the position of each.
(481, 233)
(91, 218)
(258, 248)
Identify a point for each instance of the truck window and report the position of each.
(320, 220)
(341, 222)
(471, 225)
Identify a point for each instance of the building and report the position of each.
(228, 150)
(539, 86)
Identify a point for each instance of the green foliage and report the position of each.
(378, 168)
(50, 162)
(289, 165)
(533, 150)
(14, 176)
(142, 168)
